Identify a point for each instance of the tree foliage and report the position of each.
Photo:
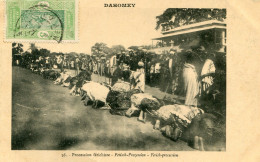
(117, 49)
(175, 17)
(99, 48)
(17, 48)
(44, 52)
(107, 51)
(33, 46)
(147, 47)
(133, 48)
(72, 55)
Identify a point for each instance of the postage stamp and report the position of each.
(41, 21)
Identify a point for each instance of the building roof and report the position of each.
(163, 50)
(205, 25)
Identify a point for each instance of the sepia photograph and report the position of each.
(131, 80)
(156, 83)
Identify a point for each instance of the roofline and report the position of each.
(209, 22)
(192, 30)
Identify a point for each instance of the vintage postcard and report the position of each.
(177, 79)
(139, 80)
(41, 21)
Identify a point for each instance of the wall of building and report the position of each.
(210, 39)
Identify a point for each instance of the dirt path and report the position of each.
(46, 117)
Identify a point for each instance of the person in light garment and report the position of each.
(72, 64)
(138, 82)
(137, 78)
(152, 69)
(77, 66)
(207, 70)
(157, 71)
(190, 78)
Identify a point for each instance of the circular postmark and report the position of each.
(40, 22)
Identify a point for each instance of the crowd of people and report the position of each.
(185, 73)
(129, 72)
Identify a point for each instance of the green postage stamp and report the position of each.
(41, 21)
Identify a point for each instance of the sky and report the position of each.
(113, 26)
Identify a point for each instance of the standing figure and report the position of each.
(138, 78)
(190, 78)
(60, 63)
(152, 80)
(140, 84)
(207, 69)
(47, 62)
(116, 75)
(72, 64)
(77, 66)
(157, 71)
(65, 62)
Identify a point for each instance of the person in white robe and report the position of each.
(139, 78)
(139, 83)
(207, 80)
(191, 84)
